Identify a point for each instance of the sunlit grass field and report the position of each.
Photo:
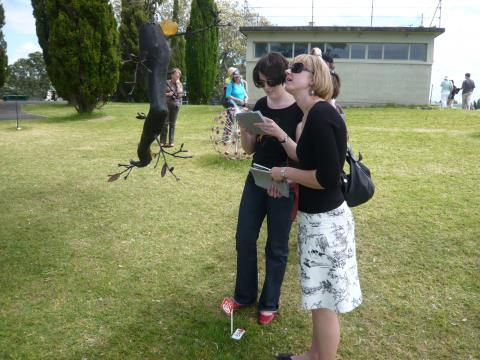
(136, 269)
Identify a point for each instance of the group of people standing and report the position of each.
(449, 90)
(305, 145)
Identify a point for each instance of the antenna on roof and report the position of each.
(371, 16)
(311, 22)
(439, 9)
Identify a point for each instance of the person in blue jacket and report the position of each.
(236, 92)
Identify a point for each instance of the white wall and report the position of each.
(364, 82)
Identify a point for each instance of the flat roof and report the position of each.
(434, 30)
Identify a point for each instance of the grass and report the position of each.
(137, 269)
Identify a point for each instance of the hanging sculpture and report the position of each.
(155, 58)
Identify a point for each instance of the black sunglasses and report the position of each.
(297, 68)
(261, 83)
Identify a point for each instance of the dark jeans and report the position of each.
(254, 206)
(169, 124)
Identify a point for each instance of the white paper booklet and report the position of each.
(247, 119)
(261, 175)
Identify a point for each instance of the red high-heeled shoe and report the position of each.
(265, 319)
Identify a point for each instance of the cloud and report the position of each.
(23, 50)
(19, 17)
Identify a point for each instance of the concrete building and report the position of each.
(377, 65)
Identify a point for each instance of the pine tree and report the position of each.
(80, 47)
(202, 51)
(133, 15)
(42, 27)
(3, 49)
(177, 44)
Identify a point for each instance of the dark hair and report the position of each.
(467, 75)
(336, 84)
(273, 66)
(327, 59)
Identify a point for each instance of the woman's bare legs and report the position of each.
(325, 337)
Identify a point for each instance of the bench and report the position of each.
(15, 97)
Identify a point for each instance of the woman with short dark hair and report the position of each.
(281, 117)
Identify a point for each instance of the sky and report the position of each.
(457, 50)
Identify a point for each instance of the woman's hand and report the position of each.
(271, 128)
(276, 175)
(244, 131)
(273, 192)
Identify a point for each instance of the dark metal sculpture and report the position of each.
(155, 51)
(155, 58)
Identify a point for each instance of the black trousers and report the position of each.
(170, 122)
(254, 207)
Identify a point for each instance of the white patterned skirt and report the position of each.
(328, 263)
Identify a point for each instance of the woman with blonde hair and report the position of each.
(326, 241)
(174, 94)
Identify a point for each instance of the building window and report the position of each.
(321, 46)
(261, 49)
(286, 49)
(418, 52)
(357, 51)
(301, 48)
(395, 52)
(337, 51)
(375, 51)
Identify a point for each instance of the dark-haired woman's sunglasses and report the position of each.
(269, 82)
(297, 68)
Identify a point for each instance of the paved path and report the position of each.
(8, 111)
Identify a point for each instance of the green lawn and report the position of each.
(136, 269)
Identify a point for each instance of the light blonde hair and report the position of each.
(231, 70)
(322, 80)
(176, 70)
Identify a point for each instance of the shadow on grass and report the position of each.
(218, 161)
(74, 117)
(476, 135)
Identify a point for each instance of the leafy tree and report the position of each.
(232, 44)
(3, 49)
(177, 44)
(80, 47)
(133, 15)
(29, 76)
(202, 51)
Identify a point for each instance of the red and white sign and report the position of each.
(227, 306)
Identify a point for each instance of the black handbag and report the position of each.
(357, 186)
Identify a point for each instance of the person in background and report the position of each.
(467, 89)
(326, 230)
(316, 51)
(236, 91)
(230, 72)
(173, 94)
(281, 119)
(445, 90)
(336, 91)
(329, 61)
(451, 97)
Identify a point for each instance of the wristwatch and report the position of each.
(282, 172)
(285, 138)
